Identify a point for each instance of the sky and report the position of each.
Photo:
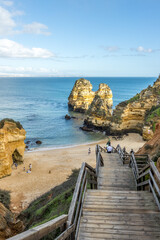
(65, 38)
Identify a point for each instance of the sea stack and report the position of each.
(100, 109)
(81, 96)
(12, 145)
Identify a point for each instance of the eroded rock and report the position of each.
(12, 146)
(9, 225)
(81, 96)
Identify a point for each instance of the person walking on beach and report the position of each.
(30, 167)
(89, 151)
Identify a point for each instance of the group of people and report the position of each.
(29, 169)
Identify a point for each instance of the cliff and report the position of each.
(81, 96)
(9, 225)
(139, 114)
(12, 145)
(130, 116)
(152, 147)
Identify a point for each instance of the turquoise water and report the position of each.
(40, 104)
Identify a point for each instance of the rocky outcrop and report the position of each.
(100, 110)
(152, 147)
(9, 225)
(147, 133)
(128, 116)
(12, 145)
(81, 96)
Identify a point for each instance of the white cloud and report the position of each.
(11, 49)
(26, 71)
(6, 3)
(142, 49)
(111, 48)
(36, 28)
(7, 24)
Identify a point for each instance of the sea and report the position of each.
(40, 105)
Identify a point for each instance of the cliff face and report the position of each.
(100, 110)
(130, 116)
(152, 147)
(81, 96)
(9, 225)
(12, 146)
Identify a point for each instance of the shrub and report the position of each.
(5, 198)
(18, 125)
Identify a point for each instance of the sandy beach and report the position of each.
(52, 167)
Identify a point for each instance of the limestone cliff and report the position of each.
(81, 96)
(128, 116)
(12, 145)
(9, 225)
(152, 147)
(100, 110)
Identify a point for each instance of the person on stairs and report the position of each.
(109, 148)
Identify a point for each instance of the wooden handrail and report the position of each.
(99, 159)
(41, 230)
(146, 178)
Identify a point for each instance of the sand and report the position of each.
(52, 167)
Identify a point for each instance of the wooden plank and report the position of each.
(112, 236)
(125, 226)
(41, 230)
(112, 221)
(121, 231)
(143, 183)
(143, 174)
(144, 169)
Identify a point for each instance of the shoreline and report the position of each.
(41, 149)
(52, 167)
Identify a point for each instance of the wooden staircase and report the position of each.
(116, 210)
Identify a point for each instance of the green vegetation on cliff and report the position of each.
(18, 125)
(50, 205)
(133, 99)
(153, 116)
(5, 198)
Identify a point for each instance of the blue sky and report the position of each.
(79, 38)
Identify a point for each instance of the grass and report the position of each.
(50, 205)
(133, 99)
(153, 114)
(18, 125)
(5, 198)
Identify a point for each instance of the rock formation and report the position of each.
(9, 225)
(81, 96)
(12, 145)
(128, 116)
(152, 147)
(147, 133)
(100, 110)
